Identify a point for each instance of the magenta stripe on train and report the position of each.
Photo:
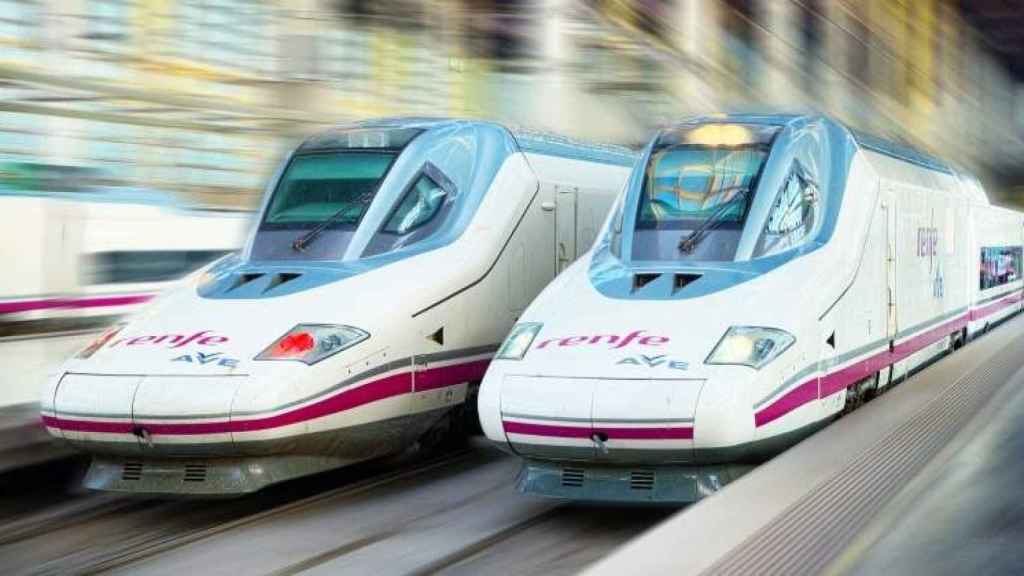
(379, 389)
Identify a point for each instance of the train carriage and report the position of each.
(760, 275)
(389, 259)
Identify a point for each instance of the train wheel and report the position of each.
(449, 432)
(860, 393)
(457, 433)
(471, 414)
(959, 339)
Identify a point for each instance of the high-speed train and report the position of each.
(389, 260)
(760, 275)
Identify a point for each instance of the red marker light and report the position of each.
(295, 344)
(311, 343)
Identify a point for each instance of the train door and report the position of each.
(889, 212)
(565, 227)
(888, 200)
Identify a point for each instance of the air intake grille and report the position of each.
(572, 477)
(641, 480)
(195, 472)
(643, 279)
(680, 281)
(132, 470)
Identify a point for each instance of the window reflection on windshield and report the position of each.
(698, 187)
(688, 184)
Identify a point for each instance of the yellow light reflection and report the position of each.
(720, 135)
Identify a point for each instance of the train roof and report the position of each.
(530, 141)
(887, 147)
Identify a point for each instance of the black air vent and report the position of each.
(195, 472)
(243, 279)
(132, 470)
(281, 278)
(681, 280)
(643, 279)
(572, 477)
(641, 480)
(437, 336)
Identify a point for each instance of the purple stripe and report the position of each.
(617, 433)
(446, 375)
(380, 389)
(16, 306)
(789, 401)
(829, 384)
(121, 427)
(996, 306)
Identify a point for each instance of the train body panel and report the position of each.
(389, 261)
(759, 276)
(101, 253)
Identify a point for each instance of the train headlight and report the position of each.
(518, 341)
(750, 346)
(311, 343)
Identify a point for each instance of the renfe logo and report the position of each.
(613, 341)
(201, 338)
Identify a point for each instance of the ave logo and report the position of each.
(215, 358)
(655, 361)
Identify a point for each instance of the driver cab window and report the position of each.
(420, 211)
(792, 214)
(421, 203)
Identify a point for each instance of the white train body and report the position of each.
(389, 260)
(664, 363)
(102, 252)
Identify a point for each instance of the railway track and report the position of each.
(71, 531)
(452, 514)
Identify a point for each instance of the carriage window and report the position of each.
(421, 203)
(791, 217)
(999, 265)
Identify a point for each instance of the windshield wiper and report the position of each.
(301, 242)
(688, 242)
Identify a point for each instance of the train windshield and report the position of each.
(323, 194)
(334, 187)
(699, 185)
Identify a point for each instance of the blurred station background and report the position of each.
(158, 122)
(199, 98)
(136, 137)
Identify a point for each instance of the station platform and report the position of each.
(923, 479)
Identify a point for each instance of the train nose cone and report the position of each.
(145, 415)
(600, 419)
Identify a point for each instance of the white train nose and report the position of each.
(602, 420)
(724, 419)
(153, 415)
